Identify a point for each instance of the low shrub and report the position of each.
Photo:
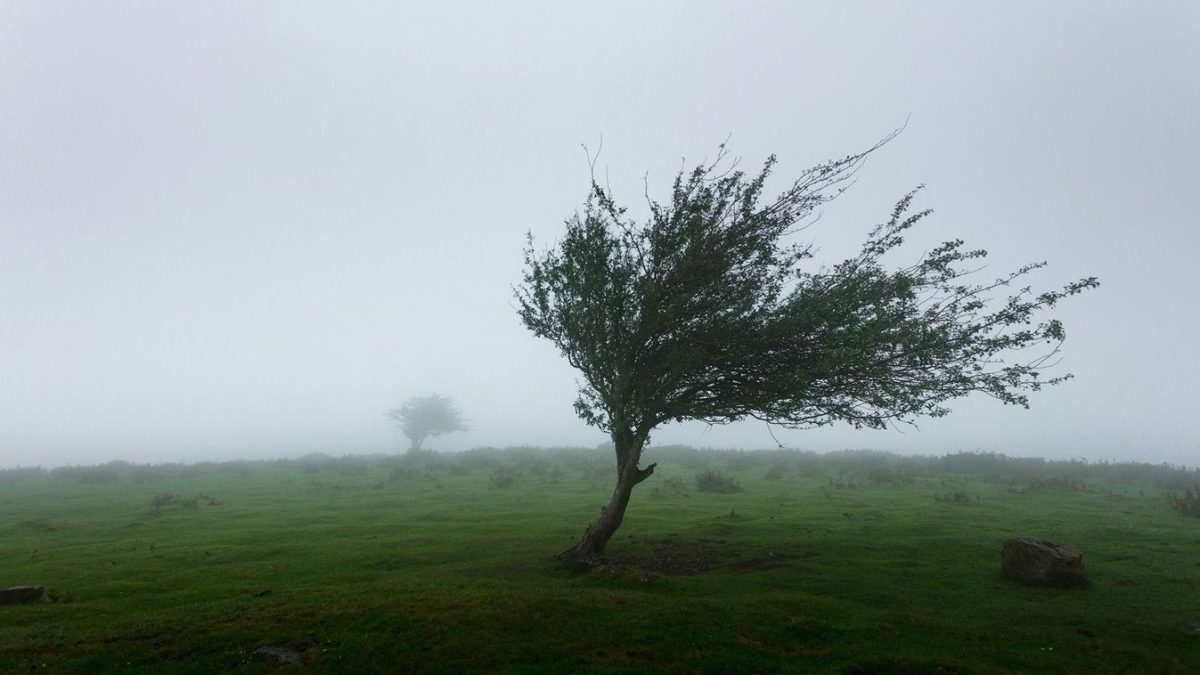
(670, 487)
(712, 481)
(1188, 503)
(503, 476)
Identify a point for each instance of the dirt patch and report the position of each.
(671, 558)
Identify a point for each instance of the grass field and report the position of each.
(857, 563)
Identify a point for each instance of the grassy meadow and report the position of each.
(852, 562)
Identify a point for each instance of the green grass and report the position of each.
(434, 571)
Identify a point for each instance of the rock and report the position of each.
(283, 655)
(1190, 627)
(17, 595)
(1042, 562)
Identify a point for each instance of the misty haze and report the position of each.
(675, 337)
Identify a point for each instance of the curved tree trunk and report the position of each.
(589, 550)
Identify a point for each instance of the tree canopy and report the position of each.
(712, 310)
(424, 416)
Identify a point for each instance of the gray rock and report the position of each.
(1190, 627)
(16, 595)
(283, 655)
(1042, 562)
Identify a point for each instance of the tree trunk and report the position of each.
(589, 550)
(414, 446)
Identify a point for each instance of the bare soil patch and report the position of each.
(670, 558)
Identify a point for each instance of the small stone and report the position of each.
(1190, 627)
(283, 655)
(1042, 562)
(17, 595)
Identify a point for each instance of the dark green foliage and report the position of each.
(706, 312)
(713, 481)
(1188, 503)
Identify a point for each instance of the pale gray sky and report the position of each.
(234, 229)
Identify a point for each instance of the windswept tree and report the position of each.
(423, 416)
(710, 310)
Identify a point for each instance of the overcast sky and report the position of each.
(233, 229)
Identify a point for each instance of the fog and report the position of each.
(246, 230)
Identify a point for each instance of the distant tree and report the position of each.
(708, 312)
(424, 416)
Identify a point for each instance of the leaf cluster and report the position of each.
(710, 310)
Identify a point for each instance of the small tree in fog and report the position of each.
(424, 416)
(709, 311)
